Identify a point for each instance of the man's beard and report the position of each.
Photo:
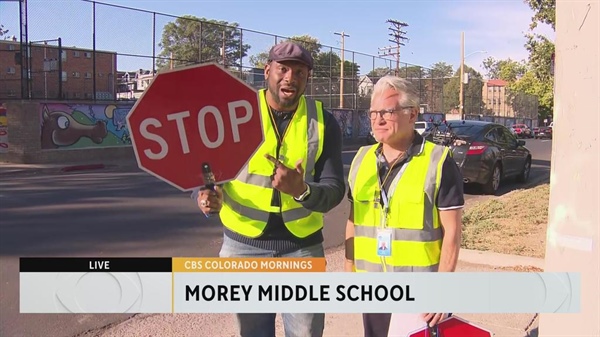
(285, 102)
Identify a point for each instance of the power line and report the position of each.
(398, 38)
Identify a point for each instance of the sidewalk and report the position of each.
(123, 164)
(222, 325)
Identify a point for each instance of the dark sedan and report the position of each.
(543, 132)
(487, 153)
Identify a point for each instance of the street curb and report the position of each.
(480, 257)
(498, 260)
(82, 167)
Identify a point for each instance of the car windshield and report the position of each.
(420, 125)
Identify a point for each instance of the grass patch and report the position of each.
(514, 223)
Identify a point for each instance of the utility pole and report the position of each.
(343, 35)
(462, 75)
(398, 37)
(223, 47)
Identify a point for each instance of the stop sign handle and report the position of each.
(209, 177)
(432, 331)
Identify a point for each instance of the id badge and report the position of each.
(384, 242)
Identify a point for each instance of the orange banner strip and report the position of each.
(244, 264)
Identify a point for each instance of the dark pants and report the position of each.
(263, 325)
(376, 325)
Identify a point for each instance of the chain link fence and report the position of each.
(116, 56)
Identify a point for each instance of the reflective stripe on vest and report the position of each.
(247, 199)
(413, 216)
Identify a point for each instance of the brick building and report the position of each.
(496, 99)
(75, 80)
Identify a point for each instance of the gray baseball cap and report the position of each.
(289, 51)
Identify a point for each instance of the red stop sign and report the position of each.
(454, 327)
(191, 116)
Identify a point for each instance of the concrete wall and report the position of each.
(25, 120)
(573, 235)
(97, 132)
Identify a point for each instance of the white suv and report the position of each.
(421, 127)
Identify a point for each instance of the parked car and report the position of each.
(486, 153)
(542, 132)
(423, 127)
(522, 131)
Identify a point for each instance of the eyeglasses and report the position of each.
(388, 114)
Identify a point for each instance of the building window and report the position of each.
(11, 47)
(64, 76)
(11, 70)
(76, 74)
(76, 53)
(87, 54)
(63, 55)
(88, 75)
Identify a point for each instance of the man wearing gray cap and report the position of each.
(275, 207)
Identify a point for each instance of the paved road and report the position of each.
(117, 213)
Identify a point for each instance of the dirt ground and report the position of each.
(514, 223)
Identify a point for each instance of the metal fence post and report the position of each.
(153, 43)
(241, 52)
(60, 84)
(94, 50)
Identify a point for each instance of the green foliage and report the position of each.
(2, 30)
(310, 43)
(508, 70)
(473, 101)
(534, 77)
(530, 85)
(440, 70)
(380, 72)
(192, 40)
(544, 12)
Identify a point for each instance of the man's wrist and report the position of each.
(304, 194)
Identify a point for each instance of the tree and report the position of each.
(530, 85)
(259, 60)
(508, 70)
(380, 72)
(191, 40)
(2, 30)
(325, 81)
(472, 102)
(544, 12)
(439, 75)
(540, 81)
(440, 70)
(310, 43)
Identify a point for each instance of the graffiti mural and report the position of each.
(344, 119)
(364, 123)
(3, 130)
(74, 126)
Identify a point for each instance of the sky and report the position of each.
(491, 28)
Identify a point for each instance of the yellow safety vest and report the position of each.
(412, 215)
(247, 199)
